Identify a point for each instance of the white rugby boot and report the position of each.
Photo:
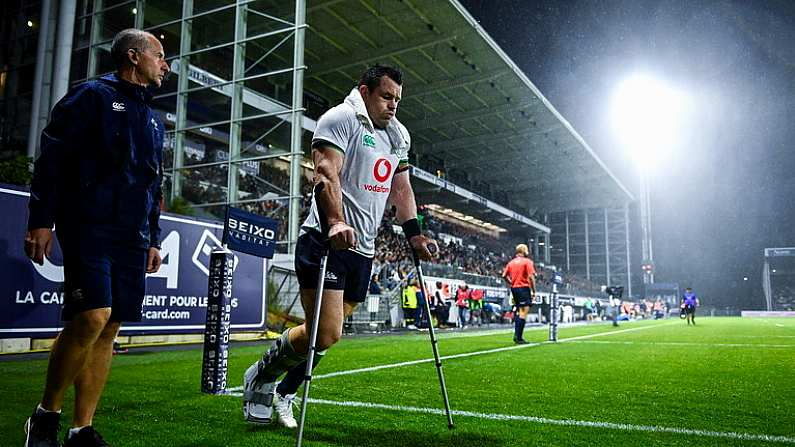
(284, 410)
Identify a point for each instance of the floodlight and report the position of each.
(646, 115)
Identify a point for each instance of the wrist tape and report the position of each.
(411, 228)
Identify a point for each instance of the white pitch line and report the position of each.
(762, 336)
(466, 354)
(485, 331)
(563, 422)
(566, 422)
(685, 343)
(472, 354)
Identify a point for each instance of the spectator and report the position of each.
(567, 313)
(659, 310)
(588, 306)
(410, 305)
(375, 288)
(462, 302)
(420, 314)
(475, 307)
(440, 307)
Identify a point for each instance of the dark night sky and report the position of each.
(726, 192)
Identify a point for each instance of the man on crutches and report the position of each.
(360, 152)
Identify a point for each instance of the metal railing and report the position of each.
(378, 313)
(284, 298)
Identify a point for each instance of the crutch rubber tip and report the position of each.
(450, 426)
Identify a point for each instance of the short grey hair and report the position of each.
(125, 40)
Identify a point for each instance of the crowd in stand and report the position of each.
(479, 253)
(645, 308)
(476, 253)
(392, 251)
(393, 259)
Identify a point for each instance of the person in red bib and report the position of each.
(520, 274)
(462, 302)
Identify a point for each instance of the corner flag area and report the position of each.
(727, 381)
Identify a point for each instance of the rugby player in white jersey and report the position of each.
(360, 152)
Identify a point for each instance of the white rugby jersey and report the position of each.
(371, 159)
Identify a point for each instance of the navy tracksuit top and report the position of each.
(99, 174)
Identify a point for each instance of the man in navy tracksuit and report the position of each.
(97, 181)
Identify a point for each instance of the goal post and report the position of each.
(778, 279)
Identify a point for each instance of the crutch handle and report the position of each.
(433, 248)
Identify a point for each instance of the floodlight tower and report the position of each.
(645, 116)
(647, 247)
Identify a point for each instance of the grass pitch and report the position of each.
(726, 382)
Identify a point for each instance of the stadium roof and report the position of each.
(465, 102)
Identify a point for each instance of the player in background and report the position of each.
(689, 304)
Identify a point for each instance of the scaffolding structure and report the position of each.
(234, 103)
(593, 244)
(239, 119)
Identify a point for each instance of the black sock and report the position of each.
(295, 376)
(518, 328)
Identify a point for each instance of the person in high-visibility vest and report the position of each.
(476, 306)
(410, 303)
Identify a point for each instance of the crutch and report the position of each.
(310, 359)
(434, 344)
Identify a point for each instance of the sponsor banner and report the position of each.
(496, 293)
(221, 155)
(250, 233)
(215, 361)
(249, 167)
(176, 296)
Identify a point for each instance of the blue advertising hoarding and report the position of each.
(176, 296)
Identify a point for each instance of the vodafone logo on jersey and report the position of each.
(382, 170)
